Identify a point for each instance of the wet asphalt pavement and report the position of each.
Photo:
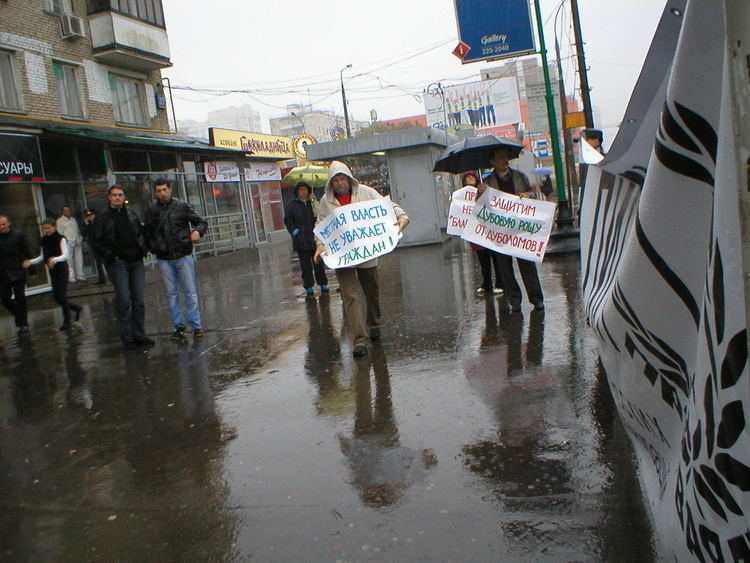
(467, 433)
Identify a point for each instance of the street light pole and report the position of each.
(343, 98)
(588, 114)
(302, 122)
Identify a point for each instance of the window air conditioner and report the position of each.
(72, 26)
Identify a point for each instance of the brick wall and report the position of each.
(34, 38)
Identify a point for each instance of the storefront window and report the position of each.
(371, 170)
(163, 161)
(273, 210)
(129, 161)
(59, 159)
(138, 191)
(227, 196)
(93, 163)
(54, 196)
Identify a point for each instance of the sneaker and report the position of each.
(539, 306)
(144, 341)
(23, 328)
(498, 291)
(359, 351)
(71, 281)
(375, 333)
(198, 333)
(481, 291)
(178, 334)
(65, 326)
(324, 289)
(82, 279)
(310, 291)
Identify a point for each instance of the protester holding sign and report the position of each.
(341, 190)
(506, 179)
(488, 259)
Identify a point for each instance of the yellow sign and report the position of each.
(575, 119)
(255, 144)
(301, 142)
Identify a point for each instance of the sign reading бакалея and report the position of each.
(358, 232)
(517, 226)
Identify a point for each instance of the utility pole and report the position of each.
(582, 71)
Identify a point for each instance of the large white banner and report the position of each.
(662, 234)
(509, 224)
(358, 232)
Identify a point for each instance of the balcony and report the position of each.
(129, 43)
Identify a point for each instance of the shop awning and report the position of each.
(140, 138)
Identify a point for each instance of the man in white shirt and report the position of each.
(67, 226)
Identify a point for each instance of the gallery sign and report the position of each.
(20, 159)
(494, 29)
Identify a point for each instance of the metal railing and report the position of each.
(226, 233)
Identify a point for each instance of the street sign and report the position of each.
(493, 29)
(461, 50)
(575, 119)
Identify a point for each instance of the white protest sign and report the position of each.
(358, 232)
(462, 204)
(510, 224)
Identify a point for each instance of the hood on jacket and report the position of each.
(335, 168)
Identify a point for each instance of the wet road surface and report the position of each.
(467, 433)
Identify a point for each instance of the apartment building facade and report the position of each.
(83, 106)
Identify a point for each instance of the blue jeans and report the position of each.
(180, 274)
(129, 279)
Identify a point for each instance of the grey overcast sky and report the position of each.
(293, 52)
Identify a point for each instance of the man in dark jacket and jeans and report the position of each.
(15, 257)
(117, 237)
(172, 228)
(299, 218)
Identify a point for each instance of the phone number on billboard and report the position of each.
(496, 49)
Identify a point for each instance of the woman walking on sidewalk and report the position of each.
(55, 255)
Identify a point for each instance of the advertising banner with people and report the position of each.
(482, 105)
(358, 232)
(506, 223)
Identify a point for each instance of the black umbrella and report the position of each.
(473, 154)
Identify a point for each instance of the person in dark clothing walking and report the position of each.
(117, 237)
(512, 181)
(172, 228)
(15, 257)
(299, 218)
(55, 253)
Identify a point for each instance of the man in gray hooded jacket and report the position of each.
(342, 189)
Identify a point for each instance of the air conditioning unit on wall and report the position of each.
(72, 26)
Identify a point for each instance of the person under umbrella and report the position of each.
(299, 218)
(488, 259)
(512, 181)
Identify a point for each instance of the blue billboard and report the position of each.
(494, 29)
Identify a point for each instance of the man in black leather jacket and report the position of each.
(172, 228)
(117, 238)
(15, 257)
